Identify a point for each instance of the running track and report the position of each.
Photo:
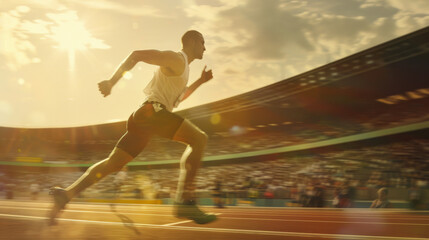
(23, 220)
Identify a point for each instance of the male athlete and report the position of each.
(154, 117)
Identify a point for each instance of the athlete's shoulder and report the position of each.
(176, 64)
(172, 54)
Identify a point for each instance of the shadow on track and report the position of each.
(125, 220)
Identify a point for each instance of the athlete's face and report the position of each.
(199, 47)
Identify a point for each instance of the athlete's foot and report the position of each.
(60, 201)
(190, 210)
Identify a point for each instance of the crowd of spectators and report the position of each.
(307, 179)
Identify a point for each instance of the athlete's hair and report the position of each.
(190, 36)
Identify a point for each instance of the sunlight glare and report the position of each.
(21, 81)
(127, 75)
(71, 35)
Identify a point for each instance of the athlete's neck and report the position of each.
(189, 54)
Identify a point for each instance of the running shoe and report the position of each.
(60, 201)
(190, 210)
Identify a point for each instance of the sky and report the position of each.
(54, 52)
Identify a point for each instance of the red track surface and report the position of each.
(22, 220)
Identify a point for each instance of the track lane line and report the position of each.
(225, 230)
(324, 212)
(176, 223)
(236, 218)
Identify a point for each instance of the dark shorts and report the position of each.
(143, 124)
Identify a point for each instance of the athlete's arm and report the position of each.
(167, 59)
(205, 77)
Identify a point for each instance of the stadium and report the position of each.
(320, 143)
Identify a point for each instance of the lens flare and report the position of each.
(215, 119)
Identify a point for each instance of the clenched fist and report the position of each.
(105, 87)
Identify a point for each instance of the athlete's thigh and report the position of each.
(132, 143)
(188, 133)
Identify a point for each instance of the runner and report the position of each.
(154, 117)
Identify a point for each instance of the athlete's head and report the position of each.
(382, 193)
(193, 42)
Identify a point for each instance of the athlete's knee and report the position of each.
(115, 166)
(204, 138)
(200, 141)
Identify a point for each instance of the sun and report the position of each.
(70, 34)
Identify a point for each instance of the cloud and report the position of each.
(406, 22)
(23, 9)
(129, 7)
(303, 34)
(21, 34)
(37, 26)
(14, 45)
(415, 6)
(135, 8)
(272, 29)
(373, 3)
(411, 15)
(69, 32)
(21, 31)
(265, 28)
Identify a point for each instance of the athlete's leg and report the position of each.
(114, 163)
(185, 206)
(117, 159)
(130, 145)
(196, 140)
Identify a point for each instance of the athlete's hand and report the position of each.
(105, 87)
(206, 75)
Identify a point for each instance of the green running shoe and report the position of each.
(190, 210)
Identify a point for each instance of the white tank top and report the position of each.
(168, 90)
